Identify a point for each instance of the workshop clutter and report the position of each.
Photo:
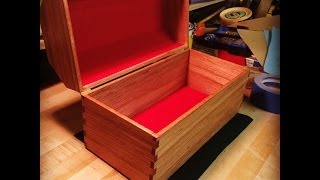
(248, 36)
(245, 41)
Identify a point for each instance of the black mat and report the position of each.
(80, 136)
(204, 157)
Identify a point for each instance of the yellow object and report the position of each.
(190, 41)
(192, 28)
(235, 14)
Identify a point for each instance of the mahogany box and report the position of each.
(149, 102)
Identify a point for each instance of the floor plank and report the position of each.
(254, 154)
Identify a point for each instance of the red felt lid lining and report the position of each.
(111, 36)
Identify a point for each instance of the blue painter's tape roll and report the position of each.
(265, 93)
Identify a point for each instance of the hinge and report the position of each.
(86, 91)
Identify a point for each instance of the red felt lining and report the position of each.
(122, 55)
(168, 109)
(111, 36)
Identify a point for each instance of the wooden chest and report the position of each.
(149, 102)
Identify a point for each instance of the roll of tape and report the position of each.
(235, 14)
(265, 93)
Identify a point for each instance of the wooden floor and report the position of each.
(254, 154)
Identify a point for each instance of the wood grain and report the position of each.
(97, 170)
(123, 137)
(110, 133)
(166, 137)
(137, 91)
(60, 46)
(118, 141)
(126, 124)
(119, 163)
(131, 69)
(62, 51)
(255, 153)
(125, 154)
(187, 146)
(70, 159)
(179, 142)
(209, 74)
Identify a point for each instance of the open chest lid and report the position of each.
(90, 42)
